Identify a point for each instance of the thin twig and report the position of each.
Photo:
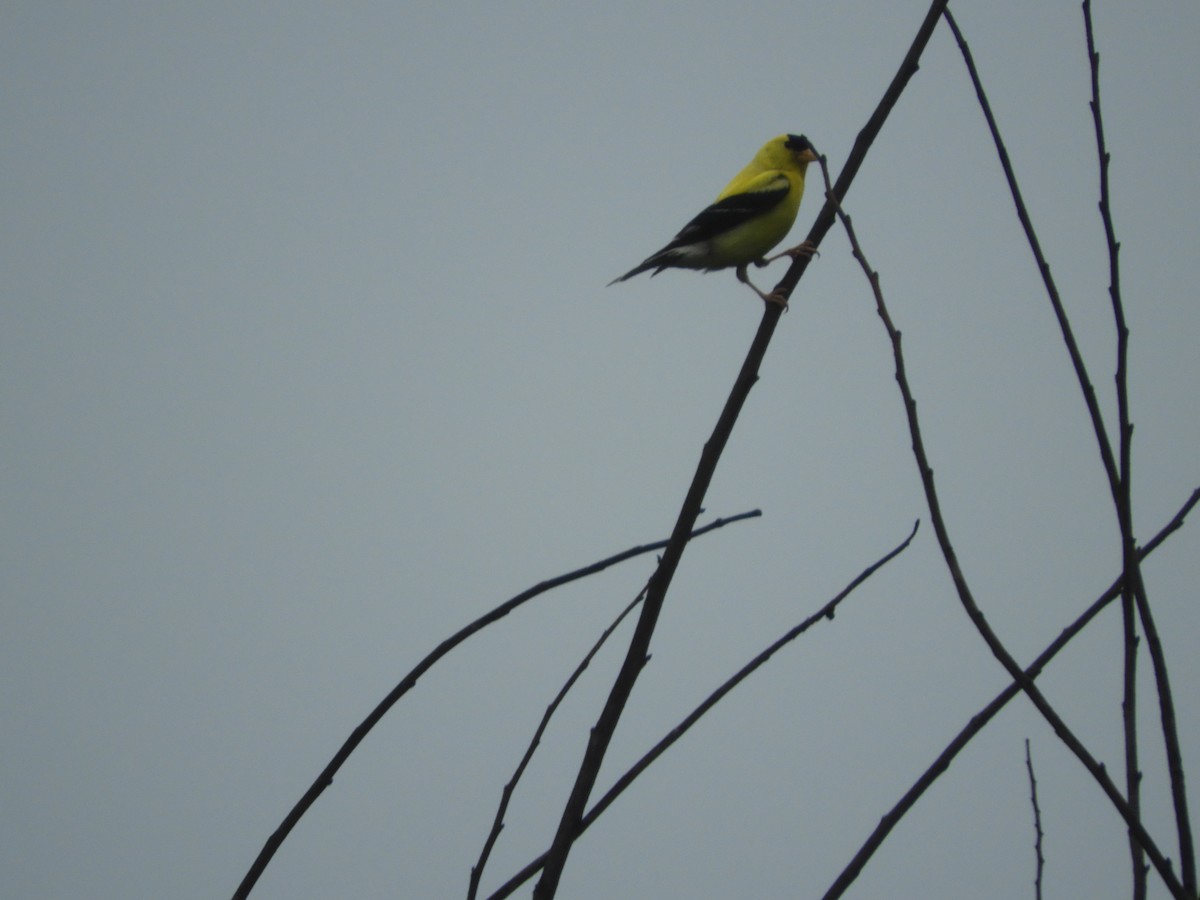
(1174, 752)
(980, 720)
(965, 596)
(1037, 823)
(1135, 586)
(1124, 509)
(862, 143)
(506, 794)
(1085, 383)
(1133, 774)
(825, 612)
(356, 737)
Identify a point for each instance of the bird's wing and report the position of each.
(757, 197)
(750, 200)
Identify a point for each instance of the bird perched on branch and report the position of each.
(753, 214)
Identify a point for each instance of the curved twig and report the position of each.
(356, 737)
(967, 598)
(506, 794)
(980, 720)
(825, 612)
(1060, 313)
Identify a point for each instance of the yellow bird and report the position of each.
(753, 214)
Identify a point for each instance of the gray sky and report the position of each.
(308, 361)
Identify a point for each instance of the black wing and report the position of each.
(726, 215)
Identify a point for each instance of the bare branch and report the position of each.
(825, 612)
(1170, 730)
(862, 143)
(1133, 774)
(356, 737)
(1118, 479)
(965, 596)
(506, 794)
(980, 720)
(1135, 587)
(1085, 383)
(639, 646)
(1037, 823)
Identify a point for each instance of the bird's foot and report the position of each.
(775, 297)
(805, 249)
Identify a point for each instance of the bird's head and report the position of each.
(800, 147)
(788, 152)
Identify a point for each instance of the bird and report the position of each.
(753, 214)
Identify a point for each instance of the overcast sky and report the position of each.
(306, 360)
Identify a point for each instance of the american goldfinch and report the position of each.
(753, 214)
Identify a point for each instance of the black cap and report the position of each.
(799, 142)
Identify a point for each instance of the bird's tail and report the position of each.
(634, 271)
(657, 262)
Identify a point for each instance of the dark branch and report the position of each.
(967, 598)
(862, 143)
(1037, 823)
(825, 612)
(660, 582)
(1085, 384)
(1135, 586)
(506, 794)
(356, 737)
(1133, 774)
(980, 720)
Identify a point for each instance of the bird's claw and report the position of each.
(776, 297)
(805, 249)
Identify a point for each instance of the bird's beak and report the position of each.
(807, 156)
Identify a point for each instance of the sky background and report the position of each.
(307, 360)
